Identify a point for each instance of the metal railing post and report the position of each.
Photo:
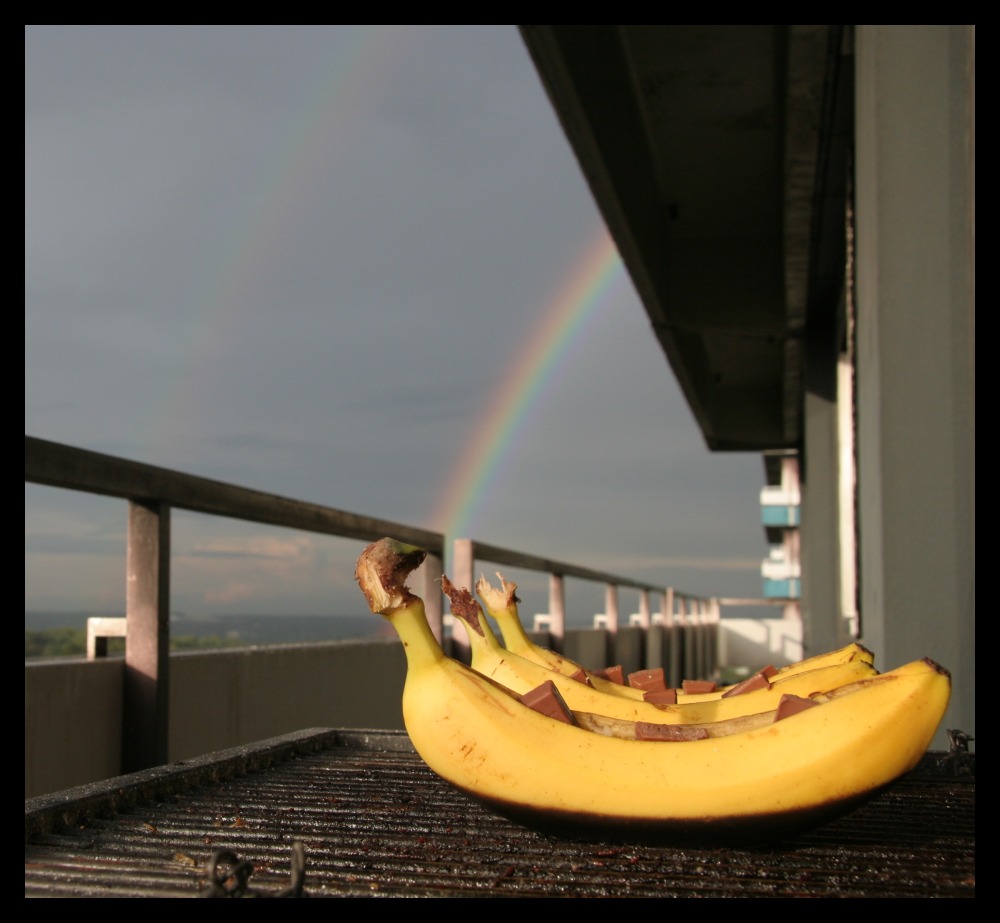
(146, 693)
(433, 568)
(463, 562)
(611, 606)
(557, 611)
(644, 609)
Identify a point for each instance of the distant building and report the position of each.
(780, 505)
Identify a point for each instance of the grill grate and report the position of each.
(374, 821)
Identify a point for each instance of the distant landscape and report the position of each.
(206, 631)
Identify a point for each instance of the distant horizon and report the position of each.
(87, 613)
(49, 617)
(247, 628)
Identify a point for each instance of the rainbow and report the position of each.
(468, 483)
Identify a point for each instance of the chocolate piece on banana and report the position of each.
(546, 700)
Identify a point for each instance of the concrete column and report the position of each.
(915, 197)
(146, 691)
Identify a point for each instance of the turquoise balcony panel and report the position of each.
(788, 516)
(790, 588)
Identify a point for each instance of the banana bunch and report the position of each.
(591, 775)
(520, 675)
(502, 606)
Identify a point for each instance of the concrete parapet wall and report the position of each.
(226, 698)
(218, 699)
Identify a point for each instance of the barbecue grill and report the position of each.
(355, 813)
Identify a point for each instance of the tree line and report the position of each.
(72, 642)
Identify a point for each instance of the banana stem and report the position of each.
(381, 573)
(502, 606)
(410, 622)
(465, 608)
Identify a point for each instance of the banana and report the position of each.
(520, 675)
(752, 786)
(850, 653)
(502, 606)
(634, 730)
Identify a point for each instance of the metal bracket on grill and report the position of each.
(230, 875)
(958, 758)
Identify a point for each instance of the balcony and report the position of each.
(625, 96)
(777, 566)
(780, 517)
(780, 496)
(89, 719)
(787, 588)
(782, 577)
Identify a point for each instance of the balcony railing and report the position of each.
(151, 492)
(778, 567)
(776, 495)
(781, 516)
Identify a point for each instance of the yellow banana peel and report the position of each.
(852, 653)
(749, 786)
(501, 604)
(517, 673)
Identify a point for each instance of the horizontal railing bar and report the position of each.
(57, 465)
(151, 493)
(758, 601)
(497, 555)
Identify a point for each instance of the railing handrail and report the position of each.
(674, 605)
(151, 492)
(780, 495)
(497, 555)
(57, 465)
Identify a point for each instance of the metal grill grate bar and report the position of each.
(375, 821)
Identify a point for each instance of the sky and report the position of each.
(357, 266)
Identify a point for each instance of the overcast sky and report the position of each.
(325, 262)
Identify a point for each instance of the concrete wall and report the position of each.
(221, 699)
(915, 204)
(755, 643)
(72, 723)
(820, 535)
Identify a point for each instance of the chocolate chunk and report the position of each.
(547, 700)
(647, 730)
(615, 674)
(580, 676)
(789, 705)
(661, 697)
(769, 670)
(696, 686)
(757, 681)
(648, 680)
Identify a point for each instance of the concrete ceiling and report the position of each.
(712, 152)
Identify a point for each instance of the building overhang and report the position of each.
(707, 150)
